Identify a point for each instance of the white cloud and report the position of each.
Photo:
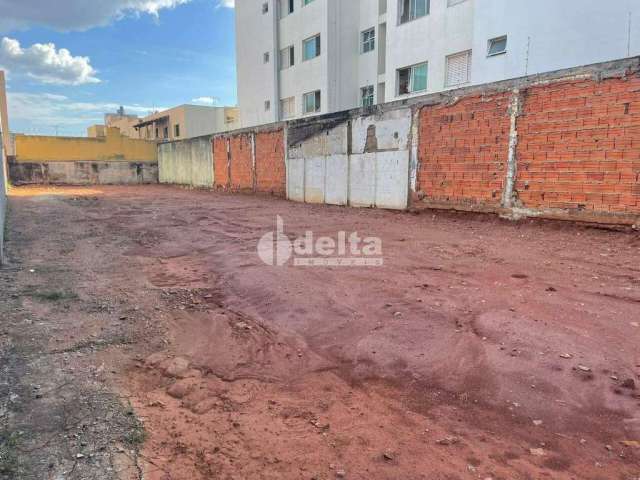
(65, 15)
(46, 64)
(44, 112)
(205, 100)
(227, 3)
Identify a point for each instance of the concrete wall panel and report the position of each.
(362, 180)
(295, 179)
(187, 162)
(392, 179)
(336, 190)
(314, 179)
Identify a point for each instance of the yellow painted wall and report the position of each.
(112, 148)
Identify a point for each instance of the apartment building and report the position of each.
(308, 57)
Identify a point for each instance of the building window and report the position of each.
(267, 105)
(412, 79)
(286, 7)
(287, 58)
(311, 48)
(288, 107)
(451, 3)
(265, 8)
(368, 38)
(411, 9)
(176, 130)
(367, 96)
(458, 69)
(311, 102)
(497, 46)
(165, 132)
(265, 57)
(306, 2)
(157, 133)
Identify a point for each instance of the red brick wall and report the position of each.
(220, 163)
(579, 146)
(241, 162)
(463, 150)
(270, 167)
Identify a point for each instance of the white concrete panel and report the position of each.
(337, 180)
(163, 165)
(362, 180)
(392, 179)
(202, 164)
(183, 164)
(314, 179)
(295, 179)
(392, 130)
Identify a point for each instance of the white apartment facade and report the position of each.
(299, 58)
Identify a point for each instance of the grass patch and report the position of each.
(53, 295)
(137, 435)
(9, 464)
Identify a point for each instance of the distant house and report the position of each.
(123, 121)
(120, 120)
(186, 121)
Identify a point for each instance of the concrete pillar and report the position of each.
(512, 160)
(254, 171)
(4, 117)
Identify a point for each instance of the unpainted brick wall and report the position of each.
(237, 172)
(271, 172)
(579, 146)
(241, 162)
(220, 163)
(463, 150)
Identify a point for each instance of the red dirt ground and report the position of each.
(448, 362)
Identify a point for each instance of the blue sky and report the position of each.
(142, 57)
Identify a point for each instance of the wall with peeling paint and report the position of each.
(186, 162)
(111, 160)
(83, 173)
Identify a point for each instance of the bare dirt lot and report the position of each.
(141, 336)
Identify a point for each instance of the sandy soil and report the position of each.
(481, 349)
